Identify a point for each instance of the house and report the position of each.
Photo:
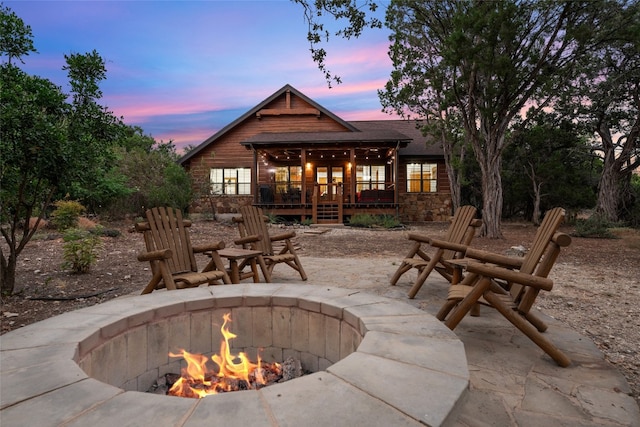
(294, 158)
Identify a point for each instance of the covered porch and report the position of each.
(326, 176)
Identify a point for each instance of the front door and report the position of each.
(328, 179)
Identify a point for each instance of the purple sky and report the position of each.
(181, 70)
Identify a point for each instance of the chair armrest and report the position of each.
(443, 244)
(493, 258)
(248, 239)
(493, 271)
(283, 236)
(208, 247)
(155, 255)
(419, 238)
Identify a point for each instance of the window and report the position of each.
(288, 177)
(231, 180)
(422, 177)
(370, 177)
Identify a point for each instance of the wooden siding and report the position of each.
(301, 116)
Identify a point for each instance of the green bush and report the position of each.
(66, 214)
(368, 221)
(362, 220)
(389, 221)
(79, 250)
(595, 226)
(100, 230)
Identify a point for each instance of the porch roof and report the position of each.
(379, 138)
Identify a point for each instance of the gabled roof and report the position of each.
(406, 133)
(254, 110)
(419, 145)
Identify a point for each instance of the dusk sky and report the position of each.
(182, 70)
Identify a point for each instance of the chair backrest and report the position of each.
(254, 223)
(543, 237)
(541, 257)
(460, 230)
(166, 229)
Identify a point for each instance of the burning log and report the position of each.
(234, 373)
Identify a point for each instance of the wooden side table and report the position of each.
(238, 259)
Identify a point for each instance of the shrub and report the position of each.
(595, 226)
(362, 220)
(368, 221)
(100, 230)
(66, 214)
(389, 221)
(79, 250)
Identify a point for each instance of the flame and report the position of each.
(197, 381)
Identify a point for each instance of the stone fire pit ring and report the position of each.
(374, 360)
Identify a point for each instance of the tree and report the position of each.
(354, 12)
(152, 174)
(46, 145)
(95, 129)
(605, 99)
(548, 164)
(34, 159)
(484, 62)
(16, 38)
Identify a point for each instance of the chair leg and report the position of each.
(297, 265)
(467, 303)
(446, 309)
(404, 267)
(526, 328)
(266, 272)
(151, 286)
(424, 273)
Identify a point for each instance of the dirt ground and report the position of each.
(597, 281)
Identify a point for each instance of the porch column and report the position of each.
(352, 180)
(254, 176)
(303, 189)
(395, 177)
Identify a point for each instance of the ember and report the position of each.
(233, 373)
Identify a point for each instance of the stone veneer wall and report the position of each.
(423, 207)
(224, 204)
(136, 357)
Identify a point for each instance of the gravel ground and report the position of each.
(596, 292)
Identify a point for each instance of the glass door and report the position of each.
(328, 179)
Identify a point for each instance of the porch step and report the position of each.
(328, 213)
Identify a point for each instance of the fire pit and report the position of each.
(374, 361)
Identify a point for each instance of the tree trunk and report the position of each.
(608, 191)
(8, 273)
(452, 173)
(492, 204)
(537, 198)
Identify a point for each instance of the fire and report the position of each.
(235, 372)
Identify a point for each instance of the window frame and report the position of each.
(232, 178)
(287, 184)
(370, 184)
(427, 182)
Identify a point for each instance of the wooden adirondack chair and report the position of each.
(511, 285)
(172, 257)
(453, 245)
(254, 234)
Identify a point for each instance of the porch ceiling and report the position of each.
(280, 154)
